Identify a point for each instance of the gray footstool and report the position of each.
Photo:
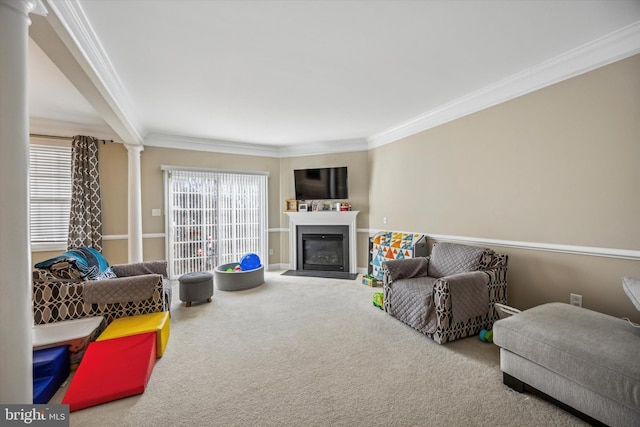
(196, 287)
(586, 360)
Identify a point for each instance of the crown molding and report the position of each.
(155, 139)
(79, 29)
(613, 47)
(326, 147)
(39, 8)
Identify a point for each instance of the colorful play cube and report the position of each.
(111, 370)
(50, 370)
(369, 281)
(153, 322)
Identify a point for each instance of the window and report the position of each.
(49, 194)
(214, 218)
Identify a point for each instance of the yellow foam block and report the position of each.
(125, 326)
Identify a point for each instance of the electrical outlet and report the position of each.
(575, 299)
(384, 219)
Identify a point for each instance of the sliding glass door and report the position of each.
(213, 218)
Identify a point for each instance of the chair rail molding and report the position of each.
(535, 246)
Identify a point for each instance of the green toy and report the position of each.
(378, 300)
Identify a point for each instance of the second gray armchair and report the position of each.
(449, 294)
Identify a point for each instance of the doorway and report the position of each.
(213, 218)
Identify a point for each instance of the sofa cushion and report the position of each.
(412, 303)
(597, 351)
(452, 258)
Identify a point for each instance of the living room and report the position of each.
(548, 177)
(544, 185)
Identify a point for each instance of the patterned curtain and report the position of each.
(85, 220)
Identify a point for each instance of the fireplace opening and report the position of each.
(322, 252)
(324, 248)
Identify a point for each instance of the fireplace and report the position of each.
(324, 248)
(300, 220)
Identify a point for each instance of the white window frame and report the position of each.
(50, 184)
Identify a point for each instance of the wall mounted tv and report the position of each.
(321, 183)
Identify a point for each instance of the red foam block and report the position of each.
(112, 369)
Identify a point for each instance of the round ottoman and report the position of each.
(237, 280)
(196, 287)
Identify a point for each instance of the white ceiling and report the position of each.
(289, 73)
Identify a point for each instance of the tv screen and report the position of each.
(321, 183)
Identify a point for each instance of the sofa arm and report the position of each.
(497, 291)
(404, 269)
(141, 268)
(468, 295)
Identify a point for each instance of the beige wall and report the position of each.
(559, 166)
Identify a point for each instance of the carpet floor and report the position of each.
(304, 351)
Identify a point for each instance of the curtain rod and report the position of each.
(39, 135)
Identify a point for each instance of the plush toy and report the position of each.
(378, 299)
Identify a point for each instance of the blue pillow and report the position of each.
(89, 261)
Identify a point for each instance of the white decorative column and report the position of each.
(135, 203)
(16, 319)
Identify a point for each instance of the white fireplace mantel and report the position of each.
(323, 218)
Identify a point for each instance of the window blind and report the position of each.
(214, 218)
(49, 194)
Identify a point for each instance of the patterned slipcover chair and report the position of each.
(448, 295)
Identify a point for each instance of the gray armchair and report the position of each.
(448, 295)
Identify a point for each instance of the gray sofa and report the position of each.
(586, 362)
(448, 295)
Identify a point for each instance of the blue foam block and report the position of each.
(50, 370)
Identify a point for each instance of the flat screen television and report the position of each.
(321, 183)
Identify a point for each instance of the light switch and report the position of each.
(155, 212)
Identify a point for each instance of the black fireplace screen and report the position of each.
(322, 252)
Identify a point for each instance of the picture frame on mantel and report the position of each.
(291, 205)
